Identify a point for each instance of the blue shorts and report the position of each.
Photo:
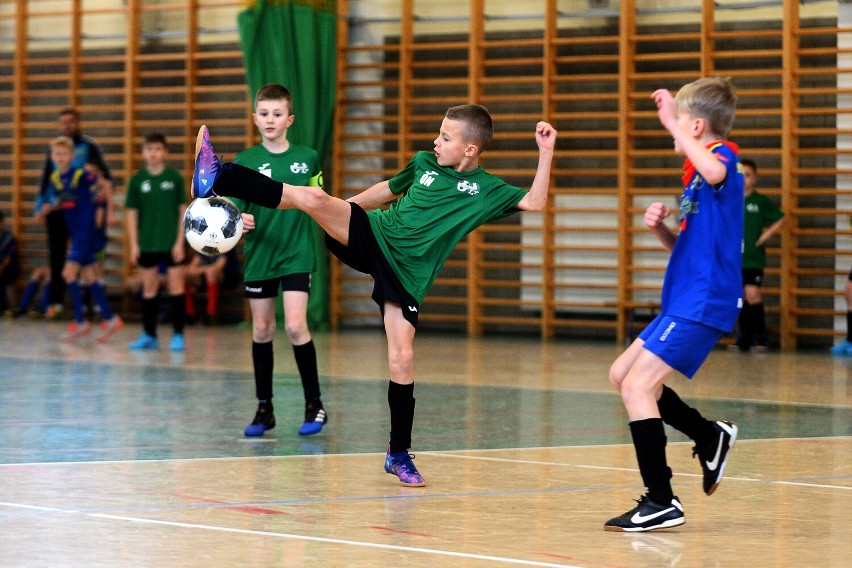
(682, 344)
(82, 251)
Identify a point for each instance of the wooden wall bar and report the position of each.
(586, 265)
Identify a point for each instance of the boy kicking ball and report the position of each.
(438, 198)
(700, 301)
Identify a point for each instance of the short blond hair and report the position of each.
(712, 98)
(62, 141)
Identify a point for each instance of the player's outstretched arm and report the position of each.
(688, 136)
(654, 217)
(535, 199)
(374, 196)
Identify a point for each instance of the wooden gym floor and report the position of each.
(115, 458)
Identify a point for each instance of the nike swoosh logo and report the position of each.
(714, 463)
(640, 518)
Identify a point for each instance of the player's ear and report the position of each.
(290, 120)
(471, 150)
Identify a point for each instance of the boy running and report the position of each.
(700, 301)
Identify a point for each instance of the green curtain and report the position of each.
(294, 43)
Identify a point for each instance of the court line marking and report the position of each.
(613, 468)
(423, 452)
(192, 366)
(337, 541)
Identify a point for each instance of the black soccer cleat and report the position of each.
(714, 457)
(648, 516)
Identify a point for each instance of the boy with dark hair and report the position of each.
(700, 301)
(76, 189)
(279, 256)
(438, 198)
(155, 203)
(763, 219)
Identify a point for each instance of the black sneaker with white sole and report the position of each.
(648, 516)
(714, 457)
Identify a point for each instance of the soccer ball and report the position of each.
(213, 225)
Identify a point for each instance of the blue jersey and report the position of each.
(77, 192)
(703, 281)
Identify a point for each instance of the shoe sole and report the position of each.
(251, 434)
(731, 443)
(666, 525)
(421, 484)
(310, 428)
(199, 140)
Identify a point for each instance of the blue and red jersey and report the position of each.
(703, 281)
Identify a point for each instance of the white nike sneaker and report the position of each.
(714, 457)
(648, 516)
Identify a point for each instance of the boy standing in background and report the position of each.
(156, 201)
(279, 258)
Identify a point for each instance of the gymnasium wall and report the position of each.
(585, 266)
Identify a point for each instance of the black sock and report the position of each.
(649, 439)
(249, 185)
(684, 418)
(263, 360)
(849, 326)
(178, 302)
(150, 307)
(746, 326)
(758, 314)
(306, 361)
(401, 403)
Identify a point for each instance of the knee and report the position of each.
(401, 361)
(752, 295)
(314, 198)
(633, 390)
(263, 331)
(616, 376)
(297, 332)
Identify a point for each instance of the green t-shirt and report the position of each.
(439, 207)
(281, 243)
(760, 212)
(158, 200)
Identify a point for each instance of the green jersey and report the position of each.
(760, 212)
(281, 243)
(157, 200)
(439, 207)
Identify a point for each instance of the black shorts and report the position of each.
(752, 277)
(152, 259)
(300, 282)
(364, 254)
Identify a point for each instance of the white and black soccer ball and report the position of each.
(213, 225)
